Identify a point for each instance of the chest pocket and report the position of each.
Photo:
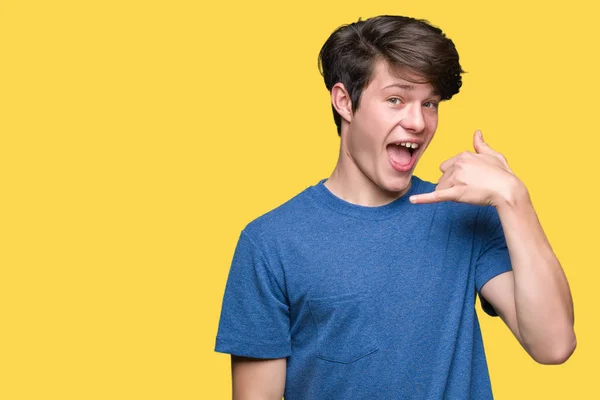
(345, 327)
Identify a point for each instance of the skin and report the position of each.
(386, 113)
(533, 300)
(258, 379)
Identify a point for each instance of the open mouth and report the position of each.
(401, 153)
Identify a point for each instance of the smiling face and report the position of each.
(387, 135)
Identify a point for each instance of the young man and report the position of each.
(363, 285)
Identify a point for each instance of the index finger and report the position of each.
(450, 194)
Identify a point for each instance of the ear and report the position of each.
(340, 99)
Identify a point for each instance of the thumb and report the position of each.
(479, 145)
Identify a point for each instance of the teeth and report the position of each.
(409, 145)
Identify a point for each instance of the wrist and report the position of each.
(512, 194)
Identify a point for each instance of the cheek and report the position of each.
(432, 123)
(367, 130)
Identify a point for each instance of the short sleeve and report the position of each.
(493, 259)
(255, 314)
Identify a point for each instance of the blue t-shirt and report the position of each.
(366, 302)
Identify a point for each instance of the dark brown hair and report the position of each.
(408, 44)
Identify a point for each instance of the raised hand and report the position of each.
(481, 178)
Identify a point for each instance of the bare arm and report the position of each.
(535, 300)
(257, 378)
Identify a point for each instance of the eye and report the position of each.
(431, 104)
(394, 100)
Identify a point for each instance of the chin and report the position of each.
(397, 184)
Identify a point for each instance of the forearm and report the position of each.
(543, 302)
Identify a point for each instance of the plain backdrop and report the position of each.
(138, 138)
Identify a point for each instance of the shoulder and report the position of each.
(279, 221)
(422, 185)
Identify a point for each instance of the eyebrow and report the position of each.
(401, 86)
(409, 87)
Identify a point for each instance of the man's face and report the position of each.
(391, 111)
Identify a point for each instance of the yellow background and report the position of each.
(139, 137)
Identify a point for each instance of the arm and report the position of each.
(258, 379)
(254, 326)
(534, 300)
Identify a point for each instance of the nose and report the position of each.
(412, 120)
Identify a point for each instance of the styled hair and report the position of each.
(407, 44)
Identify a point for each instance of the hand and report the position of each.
(481, 178)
